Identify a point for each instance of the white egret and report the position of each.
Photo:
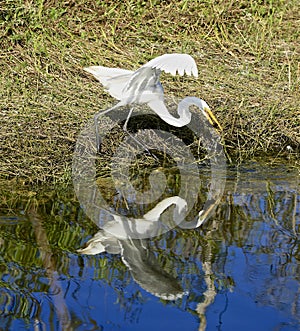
(143, 87)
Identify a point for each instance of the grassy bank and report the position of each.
(247, 52)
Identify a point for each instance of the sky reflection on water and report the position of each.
(239, 271)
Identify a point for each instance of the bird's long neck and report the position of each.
(162, 111)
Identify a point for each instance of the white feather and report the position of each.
(172, 63)
(113, 79)
(122, 84)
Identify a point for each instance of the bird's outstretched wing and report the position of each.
(113, 79)
(146, 78)
(129, 85)
(174, 63)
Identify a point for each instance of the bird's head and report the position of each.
(183, 108)
(211, 117)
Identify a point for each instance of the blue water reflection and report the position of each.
(240, 271)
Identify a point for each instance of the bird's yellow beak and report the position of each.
(212, 119)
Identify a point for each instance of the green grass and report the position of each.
(247, 54)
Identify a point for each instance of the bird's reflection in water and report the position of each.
(142, 263)
(120, 237)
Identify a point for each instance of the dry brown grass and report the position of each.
(247, 54)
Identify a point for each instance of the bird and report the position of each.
(143, 87)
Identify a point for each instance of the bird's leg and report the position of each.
(98, 141)
(127, 119)
(132, 137)
(96, 116)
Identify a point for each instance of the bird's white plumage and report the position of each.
(174, 63)
(143, 87)
(129, 85)
(113, 79)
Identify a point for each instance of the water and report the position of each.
(240, 271)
